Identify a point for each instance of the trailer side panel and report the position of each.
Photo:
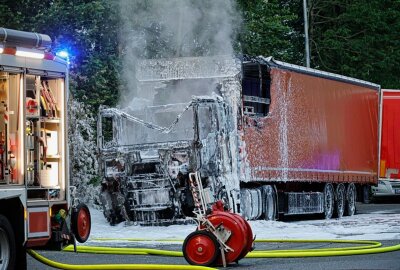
(316, 130)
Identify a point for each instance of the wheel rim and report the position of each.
(328, 201)
(340, 203)
(200, 249)
(4, 250)
(83, 223)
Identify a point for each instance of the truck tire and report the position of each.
(351, 196)
(246, 205)
(329, 199)
(256, 203)
(366, 194)
(269, 199)
(7, 245)
(340, 200)
(81, 222)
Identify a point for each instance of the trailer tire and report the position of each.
(351, 195)
(8, 250)
(329, 199)
(246, 204)
(340, 201)
(269, 205)
(366, 195)
(81, 222)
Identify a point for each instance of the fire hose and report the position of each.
(366, 247)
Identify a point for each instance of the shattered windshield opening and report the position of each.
(162, 116)
(163, 109)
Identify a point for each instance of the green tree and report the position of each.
(357, 38)
(269, 29)
(87, 29)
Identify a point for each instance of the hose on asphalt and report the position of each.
(59, 265)
(363, 247)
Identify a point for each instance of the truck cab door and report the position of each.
(206, 138)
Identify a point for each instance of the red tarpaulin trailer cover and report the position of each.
(317, 129)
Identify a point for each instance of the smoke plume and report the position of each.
(173, 28)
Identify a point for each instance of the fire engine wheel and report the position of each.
(201, 248)
(81, 223)
(340, 201)
(351, 200)
(329, 199)
(269, 198)
(7, 245)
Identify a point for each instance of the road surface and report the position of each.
(381, 261)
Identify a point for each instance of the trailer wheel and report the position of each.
(351, 200)
(340, 201)
(201, 248)
(329, 199)
(366, 196)
(7, 245)
(246, 203)
(269, 198)
(81, 222)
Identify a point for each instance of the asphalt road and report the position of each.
(382, 261)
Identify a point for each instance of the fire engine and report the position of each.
(36, 209)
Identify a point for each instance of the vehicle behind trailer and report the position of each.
(389, 173)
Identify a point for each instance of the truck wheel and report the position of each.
(329, 199)
(201, 248)
(7, 245)
(246, 204)
(81, 222)
(340, 201)
(366, 196)
(351, 200)
(269, 198)
(256, 203)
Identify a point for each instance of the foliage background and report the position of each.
(354, 38)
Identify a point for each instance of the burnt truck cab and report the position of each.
(147, 182)
(183, 120)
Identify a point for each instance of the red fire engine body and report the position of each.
(35, 203)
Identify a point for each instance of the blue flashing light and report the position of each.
(63, 54)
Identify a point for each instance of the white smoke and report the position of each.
(174, 28)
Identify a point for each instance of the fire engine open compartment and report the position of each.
(45, 142)
(32, 144)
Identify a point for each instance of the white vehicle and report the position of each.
(35, 204)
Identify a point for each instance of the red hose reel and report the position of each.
(221, 238)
